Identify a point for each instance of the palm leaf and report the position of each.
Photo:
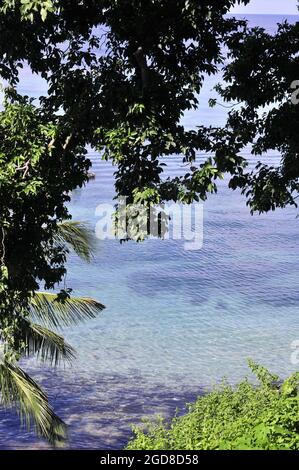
(52, 312)
(45, 344)
(21, 391)
(78, 237)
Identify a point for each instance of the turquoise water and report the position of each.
(176, 321)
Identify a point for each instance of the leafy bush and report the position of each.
(264, 417)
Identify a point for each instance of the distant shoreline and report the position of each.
(264, 14)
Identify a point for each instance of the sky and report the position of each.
(272, 7)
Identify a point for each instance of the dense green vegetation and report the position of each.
(264, 417)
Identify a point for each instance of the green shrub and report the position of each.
(264, 417)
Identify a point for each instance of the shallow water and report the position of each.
(176, 321)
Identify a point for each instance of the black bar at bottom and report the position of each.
(133, 459)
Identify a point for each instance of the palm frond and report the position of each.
(78, 237)
(52, 312)
(45, 344)
(21, 391)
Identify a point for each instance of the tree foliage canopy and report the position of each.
(261, 75)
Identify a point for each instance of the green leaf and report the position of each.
(52, 312)
(19, 390)
(78, 237)
(44, 14)
(45, 344)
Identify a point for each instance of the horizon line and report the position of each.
(264, 14)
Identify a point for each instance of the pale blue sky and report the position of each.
(272, 7)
